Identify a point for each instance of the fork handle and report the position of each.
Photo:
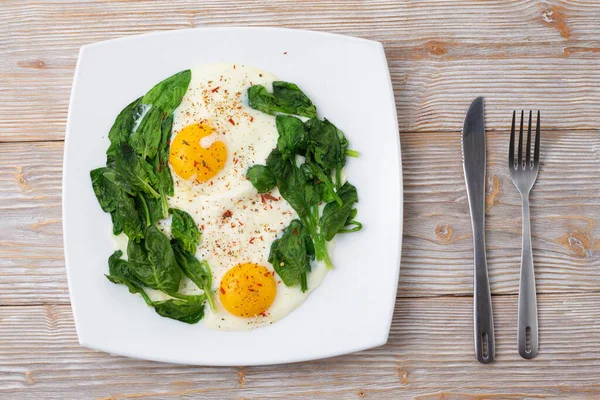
(528, 342)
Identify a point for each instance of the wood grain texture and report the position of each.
(441, 53)
(429, 356)
(519, 54)
(437, 246)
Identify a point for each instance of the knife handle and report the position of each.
(482, 302)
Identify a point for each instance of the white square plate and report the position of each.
(348, 79)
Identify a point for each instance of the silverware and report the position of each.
(523, 173)
(473, 149)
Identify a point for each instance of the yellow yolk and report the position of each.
(247, 290)
(189, 158)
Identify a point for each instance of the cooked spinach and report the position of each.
(286, 98)
(146, 138)
(291, 255)
(106, 191)
(167, 94)
(198, 271)
(293, 138)
(114, 199)
(261, 178)
(119, 272)
(279, 167)
(317, 180)
(155, 207)
(161, 166)
(153, 261)
(190, 310)
(121, 129)
(335, 217)
(326, 149)
(184, 230)
(135, 170)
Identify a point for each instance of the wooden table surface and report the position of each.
(442, 53)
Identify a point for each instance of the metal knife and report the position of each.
(473, 149)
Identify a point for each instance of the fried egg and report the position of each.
(216, 138)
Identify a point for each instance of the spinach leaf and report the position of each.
(291, 254)
(292, 136)
(154, 209)
(198, 271)
(301, 195)
(167, 94)
(328, 147)
(116, 222)
(146, 138)
(161, 166)
(135, 171)
(154, 263)
(279, 167)
(113, 198)
(327, 144)
(119, 272)
(286, 98)
(189, 311)
(336, 217)
(122, 127)
(261, 178)
(107, 192)
(128, 217)
(184, 230)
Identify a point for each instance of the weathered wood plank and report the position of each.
(429, 354)
(442, 54)
(437, 248)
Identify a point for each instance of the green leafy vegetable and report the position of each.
(297, 188)
(198, 271)
(185, 230)
(113, 198)
(336, 217)
(146, 138)
(261, 178)
(135, 171)
(286, 98)
(154, 263)
(161, 166)
(326, 147)
(291, 255)
(121, 129)
(119, 272)
(292, 136)
(189, 311)
(155, 206)
(167, 94)
(279, 167)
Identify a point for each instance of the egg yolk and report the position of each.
(189, 158)
(247, 290)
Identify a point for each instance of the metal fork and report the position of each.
(523, 173)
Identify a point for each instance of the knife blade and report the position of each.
(473, 149)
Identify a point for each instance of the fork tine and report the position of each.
(520, 159)
(511, 146)
(536, 156)
(528, 152)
